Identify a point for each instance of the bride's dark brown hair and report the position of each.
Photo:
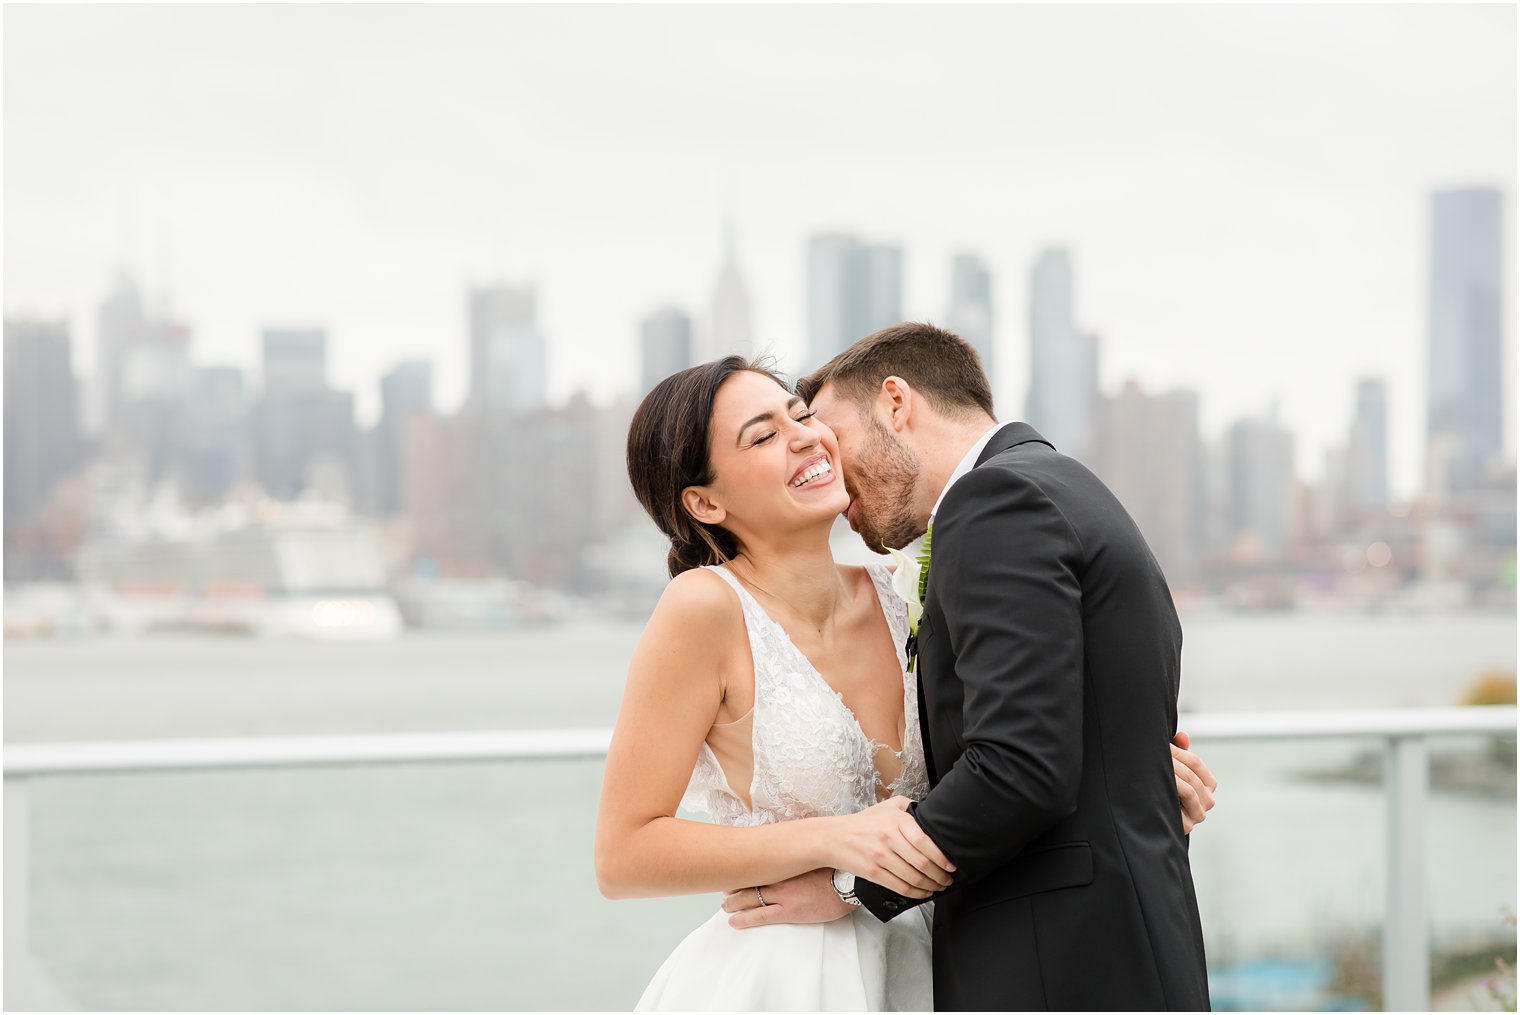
(668, 444)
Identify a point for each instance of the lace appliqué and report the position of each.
(811, 757)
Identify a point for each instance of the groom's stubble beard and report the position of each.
(881, 479)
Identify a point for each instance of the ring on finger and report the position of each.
(759, 896)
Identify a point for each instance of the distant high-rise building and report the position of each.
(406, 391)
(120, 323)
(1327, 511)
(1063, 362)
(1465, 395)
(489, 493)
(43, 446)
(213, 446)
(664, 346)
(882, 298)
(1261, 479)
(508, 354)
(970, 314)
(1150, 455)
(1367, 450)
(295, 361)
(304, 434)
(142, 382)
(730, 326)
(407, 388)
(42, 439)
(854, 289)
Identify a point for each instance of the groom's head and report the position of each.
(895, 400)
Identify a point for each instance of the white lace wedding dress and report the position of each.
(811, 758)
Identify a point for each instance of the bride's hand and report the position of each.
(885, 845)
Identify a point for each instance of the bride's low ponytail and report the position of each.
(668, 451)
(686, 554)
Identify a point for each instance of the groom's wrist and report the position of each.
(843, 883)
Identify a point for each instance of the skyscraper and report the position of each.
(1367, 450)
(854, 289)
(42, 447)
(1261, 481)
(508, 354)
(406, 391)
(42, 441)
(664, 346)
(881, 267)
(1465, 425)
(1150, 454)
(214, 445)
(295, 361)
(144, 380)
(304, 433)
(118, 325)
(1063, 363)
(729, 328)
(970, 314)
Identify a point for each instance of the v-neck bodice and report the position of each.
(810, 756)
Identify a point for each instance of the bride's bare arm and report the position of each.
(675, 688)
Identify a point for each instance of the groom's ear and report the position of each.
(698, 502)
(896, 400)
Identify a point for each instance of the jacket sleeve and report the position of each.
(1004, 571)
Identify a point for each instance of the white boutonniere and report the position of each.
(911, 582)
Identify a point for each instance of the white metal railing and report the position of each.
(1406, 946)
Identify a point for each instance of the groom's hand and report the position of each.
(1195, 783)
(806, 898)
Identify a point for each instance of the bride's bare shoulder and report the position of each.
(699, 597)
(695, 632)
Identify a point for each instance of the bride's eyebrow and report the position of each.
(768, 414)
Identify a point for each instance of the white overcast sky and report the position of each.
(1244, 189)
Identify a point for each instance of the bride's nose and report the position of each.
(803, 437)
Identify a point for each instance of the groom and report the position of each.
(1048, 665)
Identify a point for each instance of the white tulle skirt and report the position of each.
(856, 963)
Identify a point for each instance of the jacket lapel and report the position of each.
(1009, 436)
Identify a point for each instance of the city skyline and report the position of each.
(1240, 224)
(1213, 511)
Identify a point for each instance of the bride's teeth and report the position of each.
(813, 473)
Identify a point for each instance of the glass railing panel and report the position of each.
(419, 887)
(470, 885)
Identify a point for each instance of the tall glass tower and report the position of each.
(1063, 363)
(1465, 395)
(508, 354)
(970, 314)
(854, 289)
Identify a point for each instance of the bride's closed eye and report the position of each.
(762, 439)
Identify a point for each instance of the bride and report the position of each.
(769, 690)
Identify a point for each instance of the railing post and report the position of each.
(17, 881)
(1406, 931)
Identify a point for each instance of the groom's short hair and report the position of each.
(939, 364)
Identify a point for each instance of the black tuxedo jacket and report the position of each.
(1049, 656)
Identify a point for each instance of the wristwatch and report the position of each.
(844, 887)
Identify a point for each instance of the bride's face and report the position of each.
(776, 467)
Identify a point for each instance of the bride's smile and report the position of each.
(815, 472)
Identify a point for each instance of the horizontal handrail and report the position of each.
(74, 758)
(1380, 722)
(94, 757)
